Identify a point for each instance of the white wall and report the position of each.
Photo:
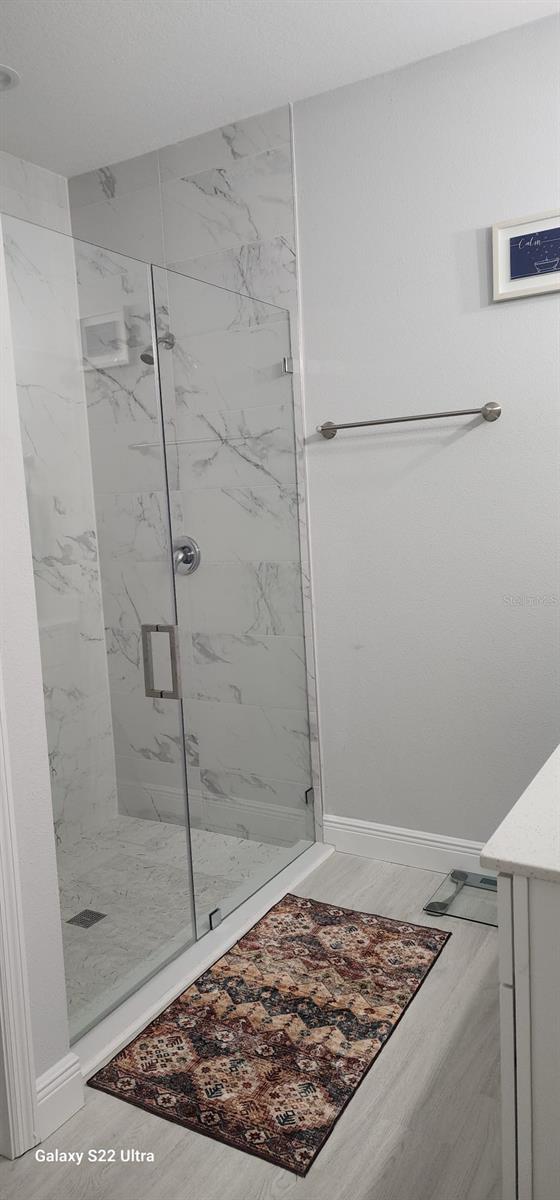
(439, 696)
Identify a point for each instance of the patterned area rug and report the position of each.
(266, 1049)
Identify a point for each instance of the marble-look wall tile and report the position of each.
(269, 742)
(250, 201)
(244, 523)
(222, 147)
(134, 538)
(33, 194)
(251, 462)
(133, 594)
(266, 270)
(44, 318)
(213, 382)
(129, 224)
(237, 475)
(255, 789)
(247, 669)
(114, 181)
(260, 598)
(149, 729)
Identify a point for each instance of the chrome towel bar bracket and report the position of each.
(490, 412)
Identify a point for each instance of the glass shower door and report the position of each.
(230, 447)
(97, 492)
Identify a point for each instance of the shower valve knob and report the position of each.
(186, 556)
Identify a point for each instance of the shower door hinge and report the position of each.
(310, 796)
(287, 365)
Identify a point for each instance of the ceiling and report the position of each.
(104, 80)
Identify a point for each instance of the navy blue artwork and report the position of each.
(535, 253)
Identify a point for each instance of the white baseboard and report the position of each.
(278, 824)
(60, 1094)
(99, 1045)
(407, 847)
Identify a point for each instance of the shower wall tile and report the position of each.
(247, 669)
(201, 308)
(33, 194)
(137, 799)
(44, 316)
(226, 210)
(133, 594)
(264, 793)
(250, 462)
(248, 598)
(244, 523)
(134, 526)
(132, 515)
(197, 422)
(146, 728)
(213, 382)
(154, 774)
(114, 181)
(129, 224)
(222, 147)
(241, 737)
(263, 269)
(250, 201)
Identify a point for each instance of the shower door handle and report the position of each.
(150, 689)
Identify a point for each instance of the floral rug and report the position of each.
(267, 1048)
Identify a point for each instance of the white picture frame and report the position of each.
(104, 340)
(512, 239)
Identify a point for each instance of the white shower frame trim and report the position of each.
(109, 1036)
(31, 1107)
(18, 1101)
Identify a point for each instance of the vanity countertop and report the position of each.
(528, 840)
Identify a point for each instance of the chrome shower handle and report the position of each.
(186, 555)
(149, 686)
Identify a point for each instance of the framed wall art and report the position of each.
(527, 256)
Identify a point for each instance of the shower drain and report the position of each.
(86, 917)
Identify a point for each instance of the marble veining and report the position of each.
(44, 317)
(33, 193)
(250, 201)
(266, 270)
(136, 872)
(235, 444)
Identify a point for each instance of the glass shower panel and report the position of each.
(98, 505)
(229, 428)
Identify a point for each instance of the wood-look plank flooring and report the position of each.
(424, 1125)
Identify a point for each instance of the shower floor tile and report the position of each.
(136, 872)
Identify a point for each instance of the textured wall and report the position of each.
(437, 631)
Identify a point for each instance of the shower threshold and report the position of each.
(113, 1032)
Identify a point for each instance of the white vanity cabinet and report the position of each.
(525, 851)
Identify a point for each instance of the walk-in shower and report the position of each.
(157, 425)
